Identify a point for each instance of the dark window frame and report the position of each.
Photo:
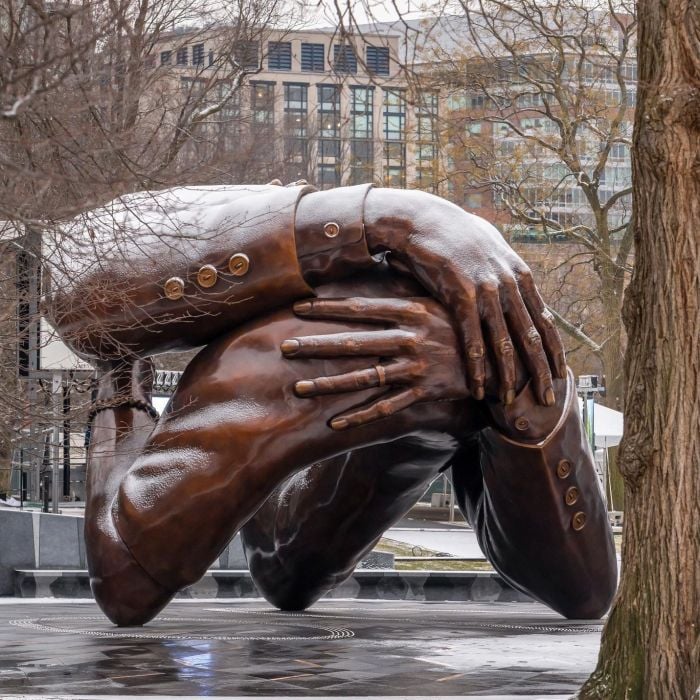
(198, 54)
(279, 55)
(313, 57)
(377, 60)
(344, 59)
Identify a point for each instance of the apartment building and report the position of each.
(312, 106)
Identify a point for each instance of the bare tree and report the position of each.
(110, 108)
(539, 125)
(98, 99)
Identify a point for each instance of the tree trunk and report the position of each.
(651, 643)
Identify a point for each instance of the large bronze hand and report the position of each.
(419, 359)
(467, 265)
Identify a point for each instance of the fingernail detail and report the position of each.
(510, 397)
(302, 307)
(289, 347)
(304, 387)
(549, 398)
(479, 393)
(339, 424)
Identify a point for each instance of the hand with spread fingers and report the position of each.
(465, 263)
(413, 353)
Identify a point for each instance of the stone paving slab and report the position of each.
(349, 648)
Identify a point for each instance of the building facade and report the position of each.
(313, 107)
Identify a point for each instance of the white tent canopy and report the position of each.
(607, 425)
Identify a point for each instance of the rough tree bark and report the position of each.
(651, 643)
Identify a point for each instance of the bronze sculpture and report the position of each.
(330, 419)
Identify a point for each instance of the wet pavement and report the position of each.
(338, 648)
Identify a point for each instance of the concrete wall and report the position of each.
(32, 540)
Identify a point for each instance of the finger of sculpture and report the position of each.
(544, 322)
(363, 309)
(501, 342)
(532, 348)
(385, 344)
(400, 372)
(473, 341)
(385, 407)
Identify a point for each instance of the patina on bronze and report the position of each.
(312, 429)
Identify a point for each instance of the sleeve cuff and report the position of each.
(330, 233)
(526, 419)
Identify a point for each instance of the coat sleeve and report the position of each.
(538, 510)
(171, 270)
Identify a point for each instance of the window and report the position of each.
(395, 176)
(394, 115)
(247, 54)
(473, 200)
(279, 55)
(211, 57)
(181, 56)
(329, 111)
(361, 135)
(427, 151)
(194, 87)
(394, 137)
(620, 150)
(328, 176)
(198, 55)
(296, 142)
(165, 58)
(378, 60)
(313, 57)
(344, 59)
(329, 132)
(262, 101)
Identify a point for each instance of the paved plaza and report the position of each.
(349, 648)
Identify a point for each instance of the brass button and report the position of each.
(238, 264)
(522, 423)
(563, 468)
(571, 495)
(174, 288)
(207, 276)
(331, 229)
(578, 522)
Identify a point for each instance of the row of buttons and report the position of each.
(207, 276)
(571, 495)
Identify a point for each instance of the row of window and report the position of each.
(279, 57)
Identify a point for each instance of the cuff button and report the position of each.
(571, 495)
(522, 424)
(207, 276)
(174, 288)
(331, 229)
(238, 264)
(578, 522)
(563, 469)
